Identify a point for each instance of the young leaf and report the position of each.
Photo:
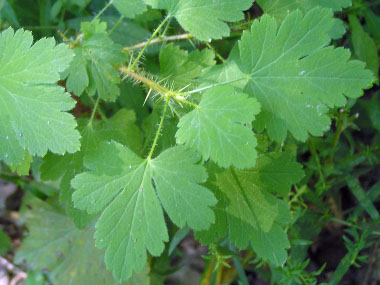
(130, 190)
(204, 18)
(247, 213)
(180, 67)
(295, 76)
(33, 108)
(69, 255)
(92, 67)
(216, 128)
(121, 128)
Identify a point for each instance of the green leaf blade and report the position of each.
(205, 19)
(177, 176)
(93, 66)
(295, 77)
(34, 109)
(131, 191)
(247, 212)
(216, 129)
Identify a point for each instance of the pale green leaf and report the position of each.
(93, 66)
(69, 255)
(205, 19)
(247, 212)
(33, 107)
(217, 129)
(130, 8)
(121, 128)
(180, 67)
(130, 190)
(295, 76)
(364, 46)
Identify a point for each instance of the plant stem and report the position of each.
(216, 53)
(148, 42)
(338, 132)
(116, 25)
(170, 94)
(158, 130)
(94, 111)
(99, 110)
(102, 11)
(315, 154)
(159, 40)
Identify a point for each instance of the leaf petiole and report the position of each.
(167, 18)
(94, 111)
(102, 11)
(158, 130)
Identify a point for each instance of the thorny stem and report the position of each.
(169, 94)
(94, 111)
(102, 11)
(158, 130)
(150, 39)
(159, 40)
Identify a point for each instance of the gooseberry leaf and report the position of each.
(205, 19)
(33, 109)
(217, 127)
(121, 128)
(131, 191)
(93, 66)
(296, 76)
(247, 212)
(68, 255)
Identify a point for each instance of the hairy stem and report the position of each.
(159, 40)
(158, 130)
(151, 84)
(150, 39)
